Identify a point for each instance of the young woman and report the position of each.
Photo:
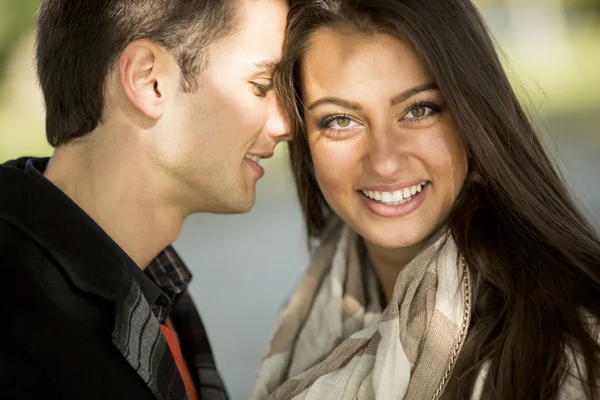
(450, 261)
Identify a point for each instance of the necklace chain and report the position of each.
(464, 326)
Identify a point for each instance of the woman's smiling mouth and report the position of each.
(395, 203)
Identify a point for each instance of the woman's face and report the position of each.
(386, 151)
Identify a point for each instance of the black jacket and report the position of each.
(75, 323)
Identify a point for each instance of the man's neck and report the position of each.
(117, 190)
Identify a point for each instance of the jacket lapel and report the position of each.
(138, 337)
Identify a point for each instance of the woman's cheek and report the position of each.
(335, 164)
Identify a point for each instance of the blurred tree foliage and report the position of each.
(17, 17)
(583, 5)
(589, 4)
(588, 8)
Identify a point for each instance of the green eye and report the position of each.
(342, 122)
(338, 122)
(419, 111)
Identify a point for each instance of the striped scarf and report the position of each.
(334, 340)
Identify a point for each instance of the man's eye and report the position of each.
(262, 90)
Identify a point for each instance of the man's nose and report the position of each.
(279, 127)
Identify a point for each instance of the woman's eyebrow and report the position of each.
(336, 101)
(407, 94)
(402, 97)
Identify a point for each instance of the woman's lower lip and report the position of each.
(399, 210)
(255, 167)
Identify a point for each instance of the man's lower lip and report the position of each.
(399, 210)
(255, 167)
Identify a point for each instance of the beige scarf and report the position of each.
(334, 341)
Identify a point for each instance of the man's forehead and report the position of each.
(257, 43)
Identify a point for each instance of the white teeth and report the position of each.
(397, 197)
(256, 159)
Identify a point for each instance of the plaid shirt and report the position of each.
(169, 272)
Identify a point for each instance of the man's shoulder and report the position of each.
(17, 248)
(50, 325)
(29, 277)
(38, 299)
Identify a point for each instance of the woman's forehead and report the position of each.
(338, 62)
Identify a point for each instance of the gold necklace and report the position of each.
(462, 334)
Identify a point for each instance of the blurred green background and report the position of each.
(551, 50)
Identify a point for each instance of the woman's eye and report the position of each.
(419, 111)
(339, 122)
(342, 122)
(338, 125)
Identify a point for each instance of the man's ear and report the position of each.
(146, 76)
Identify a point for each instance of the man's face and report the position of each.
(220, 132)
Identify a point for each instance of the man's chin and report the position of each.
(242, 206)
(239, 210)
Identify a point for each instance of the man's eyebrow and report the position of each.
(265, 65)
(402, 97)
(356, 106)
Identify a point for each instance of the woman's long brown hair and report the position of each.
(536, 257)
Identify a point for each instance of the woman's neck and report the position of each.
(388, 263)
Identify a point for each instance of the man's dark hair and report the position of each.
(78, 42)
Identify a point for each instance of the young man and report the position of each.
(157, 109)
